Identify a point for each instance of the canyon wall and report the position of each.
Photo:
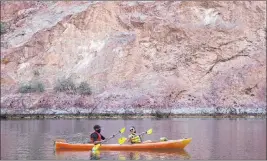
(178, 57)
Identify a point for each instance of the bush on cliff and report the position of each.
(32, 87)
(3, 28)
(84, 89)
(67, 85)
(36, 73)
(157, 114)
(64, 85)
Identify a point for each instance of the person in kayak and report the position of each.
(133, 137)
(96, 137)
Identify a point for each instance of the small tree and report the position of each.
(38, 87)
(36, 73)
(64, 85)
(25, 88)
(84, 88)
(32, 87)
(3, 28)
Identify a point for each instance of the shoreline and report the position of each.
(124, 116)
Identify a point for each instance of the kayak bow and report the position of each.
(171, 144)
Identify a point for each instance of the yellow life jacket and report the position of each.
(135, 138)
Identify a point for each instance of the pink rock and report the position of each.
(164, 55)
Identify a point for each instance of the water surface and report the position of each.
(212, 138)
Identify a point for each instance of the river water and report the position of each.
(211, 138)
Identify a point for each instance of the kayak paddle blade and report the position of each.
(96, 147)
(122, 130)
(122, 140)
(149, 131)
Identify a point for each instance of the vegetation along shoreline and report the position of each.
(125, 116)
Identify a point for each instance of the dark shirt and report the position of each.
(94, 136)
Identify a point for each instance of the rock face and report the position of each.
(138, 57)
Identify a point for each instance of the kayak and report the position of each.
(125, 155)
(159, 145)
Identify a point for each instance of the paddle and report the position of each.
(123, 139)
(96, 147)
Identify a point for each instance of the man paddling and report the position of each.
(96, 137)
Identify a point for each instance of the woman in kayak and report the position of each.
(133, 137)
(96, 137)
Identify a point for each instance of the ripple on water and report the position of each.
(212, 138)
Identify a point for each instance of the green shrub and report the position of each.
(84, 89)
(67, 85)
(36, 73)
(157, 114)
(39, 87)
(3, 28)
(32, 87)
(64, 85)
(25, 88)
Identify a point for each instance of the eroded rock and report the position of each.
(136, 56)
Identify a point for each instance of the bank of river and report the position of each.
(213, 138)
(125, 116)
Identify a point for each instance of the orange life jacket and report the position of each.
(98, 138)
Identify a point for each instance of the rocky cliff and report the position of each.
(176, 57)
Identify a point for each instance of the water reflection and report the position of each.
(151, 155)
(95, 155)
(212, 138)
(124, 155)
